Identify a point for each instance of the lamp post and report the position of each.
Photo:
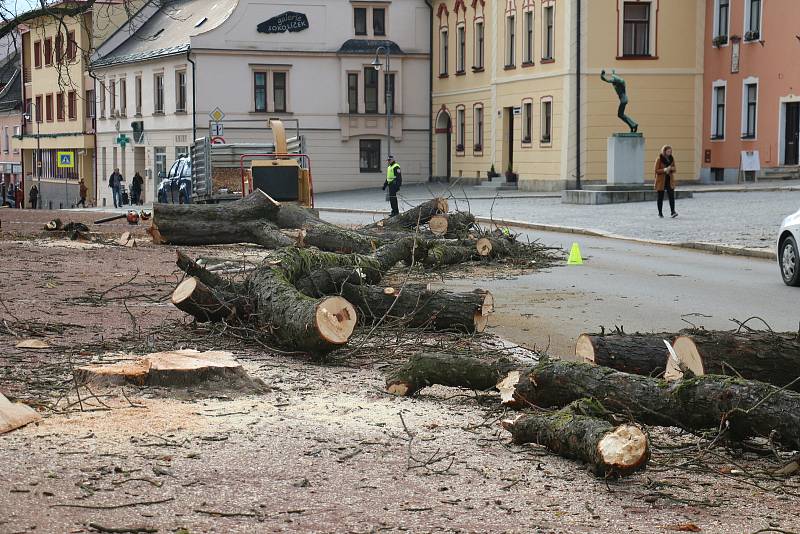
(376, 63)
(38, 159)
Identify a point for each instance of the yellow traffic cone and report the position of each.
(575, 255)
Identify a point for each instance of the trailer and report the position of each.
(223, 172)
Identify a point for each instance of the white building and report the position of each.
(257, 60)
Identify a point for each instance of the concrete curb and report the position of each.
(713, 248)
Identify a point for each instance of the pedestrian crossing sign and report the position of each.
(66, 160)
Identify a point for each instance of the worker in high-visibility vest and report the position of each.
(393, 181)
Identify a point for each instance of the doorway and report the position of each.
(791, 139)
(508, 139)
(443, 145)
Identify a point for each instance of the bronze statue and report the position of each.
(619, 87)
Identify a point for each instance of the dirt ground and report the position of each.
(324, 450)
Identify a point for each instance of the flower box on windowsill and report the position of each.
(545, 140)
(509, 67)
(526, 140)
(459, 148)
(747, 137)
(720, 40)
(460, 72)
(477, 148)
(752, 36)
(717, 137)
(477, 69)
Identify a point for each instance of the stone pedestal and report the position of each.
(625, 161)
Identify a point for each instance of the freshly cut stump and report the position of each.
(180, 368)
(579, 432)
(438, 225)
(640, 354)
(770, 357)
(336, 319)
(15, 415)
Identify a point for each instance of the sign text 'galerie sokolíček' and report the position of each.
(290, 21)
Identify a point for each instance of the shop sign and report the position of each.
(290, 21)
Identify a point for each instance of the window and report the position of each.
(102, 100)
(49, 108)
(37, 54)
(360, 18)
(477, 134)
(48, 51)
(369, 155)
(279, 91)
(752, 20)
(378, 21)
(461, 125)
(461, 51)
(443, 52)
(181, 151)
(72, 105)
(160, 157)
(39, 111)
(549, 33)
(72, 46)
(352, 92)
(528, 59)
(90, 104)
(6, 140)
(112, 97)
(722, 9)
(123, 97)
(527, 121)
(158, 85)
(479, 46)
(370, 90)
(137, 89)
(750, 110)
(510, 40)
(260, 92)
(180, 91)
(547, 121)
(59, 47)
(388, 83)
(718, 107)
(636, 29)
(60, 106)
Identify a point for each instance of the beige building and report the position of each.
(57, 140)
(517, 86)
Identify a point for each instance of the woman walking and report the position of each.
(665, 180)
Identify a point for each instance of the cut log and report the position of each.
(53, 225)
(438, 225)
(414, 217)
(15, 415)
(209, 305)
(746, 408)
(641, 354)
(214, 369)
(192, 268)
(755, 355)
(578, 431)
(423, 370)
(440, 254)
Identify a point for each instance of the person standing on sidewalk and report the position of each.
(34, 196)
(83, 190)
(394, 180)
(665, 180)
(115, 183)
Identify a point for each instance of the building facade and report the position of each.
(57, 140)
(517, 86)
(751, 90)
(311, 67)
(10, 124)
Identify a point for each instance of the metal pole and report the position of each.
(388, 108)
(38, 160)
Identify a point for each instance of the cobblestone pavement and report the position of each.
(749, 220)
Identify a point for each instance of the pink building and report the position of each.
(10, 124)
(751, 93)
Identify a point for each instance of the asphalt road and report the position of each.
(638, 287)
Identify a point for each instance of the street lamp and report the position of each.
(376, 63)
(29, 116)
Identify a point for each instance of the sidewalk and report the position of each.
(720, 220)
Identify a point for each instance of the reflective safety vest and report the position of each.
(390, 172)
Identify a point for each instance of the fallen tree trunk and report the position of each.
(209, 305)
(459, 225)
(423, 370)
(745, 408)
(641, 354)
(579, 431)
(414, 217)
(755, 355)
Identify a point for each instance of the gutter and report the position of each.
(430, 93)
(94, 121)
(578, 97)
(194, 93)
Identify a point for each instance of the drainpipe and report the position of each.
(94, 123)
(430, 93)
(578, 98)
(194, 94)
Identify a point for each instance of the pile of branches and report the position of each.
(323, 280)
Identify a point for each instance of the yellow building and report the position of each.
(517, 86)
(59, 97)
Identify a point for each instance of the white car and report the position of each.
(788, 253)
